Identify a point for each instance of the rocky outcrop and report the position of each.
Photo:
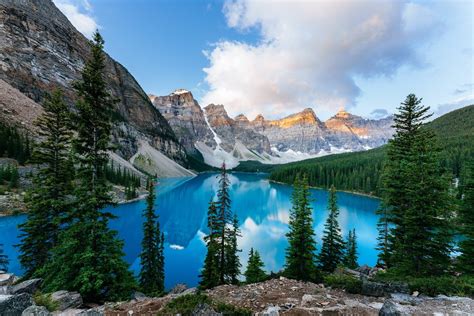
(15, 304)
(185, 117)
(66, 300)
(40, 50)
(36, 311)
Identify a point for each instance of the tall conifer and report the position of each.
(332, 250)
(152, 257)
(48, 200)
(300, 254)
(3, 259)
(466, 246)
(89, 256)
(416, 196)
(232, 261)
(350, 258)
(210, 272)
(254, 272)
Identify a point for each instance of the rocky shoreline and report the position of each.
(280, 296)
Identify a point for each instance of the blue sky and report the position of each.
(280, 57)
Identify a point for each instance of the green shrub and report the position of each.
(433, 285)
(343, 281)
(45, 300)
(186, 304)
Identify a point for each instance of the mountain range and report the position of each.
(210, 132)
(40, 50)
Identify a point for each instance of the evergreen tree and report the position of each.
(332, 251)
(466, 246)
(254, 272)
(384, 238)
(224, 218)
(350, 258)
(222, 265)
(416, 197)
(300, 254)
(3, 260)
(152, 257)
(89, 257)
(232, 261)
(47, 200)
(210, 272)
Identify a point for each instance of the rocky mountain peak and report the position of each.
(241, 118)
(217, 115)
(305, 117)
(259, 118)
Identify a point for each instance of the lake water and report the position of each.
(262, 208)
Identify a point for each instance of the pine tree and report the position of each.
(416, 197)
(254, 272)
(3, 260)
(151, 257)
(466, 246)
(384, 237)
(47, 201)
(300, 254)
(210, 271)
(89, 257)
(350, 258)
(224, 217)
(232, 259)
(332, 250)
(222, 265)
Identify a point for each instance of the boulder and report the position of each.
(378, 289)
(36, 311)
(270, 311)
(28, 286)
(179, 288)
(6, 279)
(204, 309)
(97, 311)
(391, 308)
(15, 304)
(66, 299)
(5, 289)
(365, 269)
(138, 296)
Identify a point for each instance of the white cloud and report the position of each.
(79, 14)
(310, 51)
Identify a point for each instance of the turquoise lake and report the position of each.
(262, 208)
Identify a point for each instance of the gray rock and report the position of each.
(66, 299)
(97, 311)
(390, 308)
(204, 309)
(270, 311)
(6, 279)
(15, 304)
(36, 311)
(5, 289)
(28, 286)
(138, 296)
(377, 289)
(179, 288)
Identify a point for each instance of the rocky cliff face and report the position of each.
(302, 132)
(41, 50)
(230, 131)
(185, 117)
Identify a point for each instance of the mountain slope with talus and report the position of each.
(40, 50)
